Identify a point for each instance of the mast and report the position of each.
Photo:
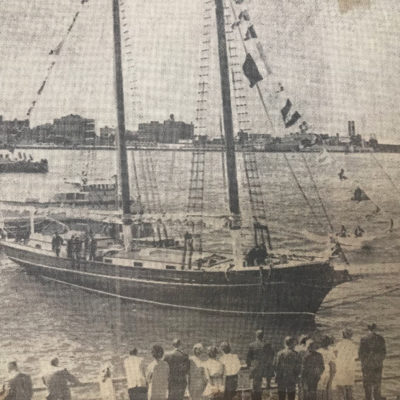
(121, 145)
(228, 129)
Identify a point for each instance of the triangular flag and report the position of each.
(251, 71)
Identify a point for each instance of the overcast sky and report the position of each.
(335, 67)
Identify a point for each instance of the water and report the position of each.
(40, 320)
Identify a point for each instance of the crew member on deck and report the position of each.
(358, 231)
(56, 243)
(342, 175)
(343, 231)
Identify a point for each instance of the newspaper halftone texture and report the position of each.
(347, 5)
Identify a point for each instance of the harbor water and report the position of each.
(40, 320)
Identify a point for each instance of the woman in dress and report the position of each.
(157, 374)
(347, 354)
(215, 373)
(324, 390)
(197, 381)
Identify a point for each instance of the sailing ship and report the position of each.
(167, 273)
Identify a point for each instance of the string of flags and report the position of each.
(253, 72)
(54, 52)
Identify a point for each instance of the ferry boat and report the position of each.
(172, 274)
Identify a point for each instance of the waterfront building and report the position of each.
(170, 131)
(175, 131)
(74, 130)
(107, 136)
(43, 133)
(150, 131)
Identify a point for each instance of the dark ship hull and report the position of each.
(290, 290)
(24, 166)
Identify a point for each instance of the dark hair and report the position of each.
(157, 352)
(212, 352)
(326, 341)
(176, 343)
(290, 341)
(54, 362)
(133, 352)
(259, 334)
(226, 347)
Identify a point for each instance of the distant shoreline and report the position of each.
(382, 148)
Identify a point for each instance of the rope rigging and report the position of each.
(54, 53)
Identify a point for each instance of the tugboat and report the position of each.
(168, 274)
(21, 164)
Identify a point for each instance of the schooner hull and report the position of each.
(292, 290)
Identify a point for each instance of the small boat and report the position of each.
(21, 164)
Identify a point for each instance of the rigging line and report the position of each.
(385, 173)
(56, 52)
(257, 84)
(303, 193)
(135, 174)
(317, 191)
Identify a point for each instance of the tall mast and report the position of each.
(228, 129)
(121, 146)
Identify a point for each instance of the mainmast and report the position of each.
(229, 137)
(121, 145)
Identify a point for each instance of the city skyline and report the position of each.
(337, 67)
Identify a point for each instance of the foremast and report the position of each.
(122, 159)
(233, 190)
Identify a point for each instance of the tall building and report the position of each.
(150, 131)
(74, 130)
(174, 131)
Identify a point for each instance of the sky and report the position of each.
(335, 67)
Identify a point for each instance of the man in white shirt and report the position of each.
(135, 376)
(232, 366)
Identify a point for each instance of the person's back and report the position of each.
(372, 350)
(287, 367)
(178, 362)
(134, 368)
(20, 387)
(157, 377)
(312, 368)
(260, 357)
(58, 385)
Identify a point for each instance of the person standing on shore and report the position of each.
(324, 390)
(215, 373)
(19, 386)
(157, 374)
(311, 371)
(57, 382)
(372, 352)
(287, 370)
(260, 361)
(135, 376)
(106, 384)
(197, 380)
(345, 365)
(232, 367)
(179, 365)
